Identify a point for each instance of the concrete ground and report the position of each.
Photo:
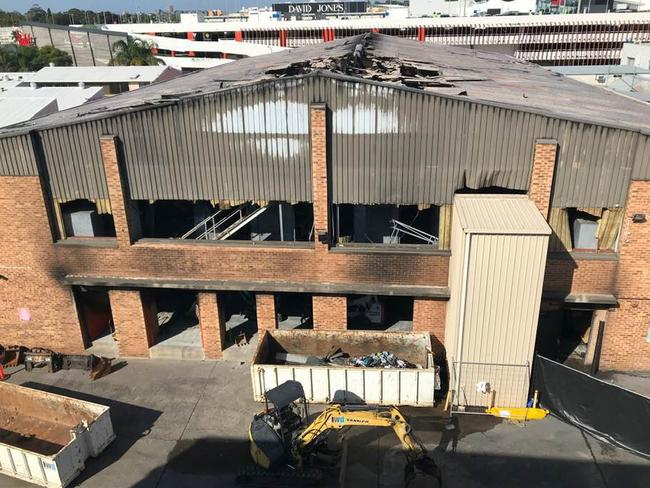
(636, 382)
(184, 423)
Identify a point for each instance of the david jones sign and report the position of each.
(320, 8)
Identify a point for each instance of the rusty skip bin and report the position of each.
(45, 438)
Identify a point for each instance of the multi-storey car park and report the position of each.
(559, 40)
(315, 188)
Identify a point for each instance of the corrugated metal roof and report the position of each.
(499, 214)
(492, 78)
(99, 74)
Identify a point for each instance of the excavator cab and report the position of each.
(272, 431)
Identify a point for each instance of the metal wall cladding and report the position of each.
(387, 145)
(405, 147)
(250, 143)
(73, 162)
(642, 161)
(17, 156)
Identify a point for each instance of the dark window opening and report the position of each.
(182, 219)
(81, 218)
(239, 315)
(373, 312)
(294, 310)
(96, 320)
(178, 334)
(385, 224)
(584, 229)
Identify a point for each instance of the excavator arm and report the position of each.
(338, 417)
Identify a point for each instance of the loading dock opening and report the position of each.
(96, 320)
(373, 312)
(294, 310)
(178, 335)
(239, 313)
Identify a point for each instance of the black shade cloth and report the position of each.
(606, 411)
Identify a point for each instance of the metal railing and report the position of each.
(204, 226)
(400, 229)
(219, 227)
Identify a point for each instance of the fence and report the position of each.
(606, 411)
(488, 385)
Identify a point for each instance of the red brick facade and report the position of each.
(541, 178)
(330, 312)
(32, 267)
(35, 308)
(429, 315)
(626, 343)
(266, 317)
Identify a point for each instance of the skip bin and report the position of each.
(45, 438)
(322, 384)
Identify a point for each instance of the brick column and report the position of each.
(320, 191)
(135, 322)
(265, 305)
(541, 178)
(429, 315)
(213, 328)
(126, 221)
(330, 312)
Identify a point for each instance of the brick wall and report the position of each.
(212, 326)
(30, 273)
(134, 320)
(541, 178)
(625, 344)
(429, 315)
(265, 305)
(567, 275)
(330, 312)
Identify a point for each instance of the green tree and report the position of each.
(30, 58)
(36, 14)
(50, 55)
(133, 52)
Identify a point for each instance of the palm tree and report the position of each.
(133, 52)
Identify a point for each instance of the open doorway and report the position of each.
(96, 319)
(563, 336)
(178, 335)
(294, 310)
(376, 312)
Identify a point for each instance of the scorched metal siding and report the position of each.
(388, 145)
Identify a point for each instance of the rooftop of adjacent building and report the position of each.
(99, 74)
(448, 71)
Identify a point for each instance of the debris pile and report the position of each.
(383, 359)
(363, 64)
(337, 357)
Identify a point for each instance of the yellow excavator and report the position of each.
(280, 436)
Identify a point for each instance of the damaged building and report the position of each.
(316, 189)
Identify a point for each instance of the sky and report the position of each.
(119, 6)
